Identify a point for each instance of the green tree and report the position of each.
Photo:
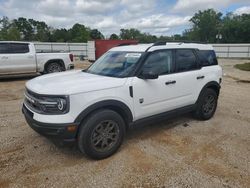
(13, 33)
(114, 37)
(41, 30)
(95, 34)
(236, 28)
(79, 33)
(147, 38)
(4, 26)
(164, 38)
(205, 25)
(60, 35)
(25, 27)
(130, 34)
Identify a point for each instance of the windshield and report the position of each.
(115, 64)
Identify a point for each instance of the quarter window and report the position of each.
(159, 62)
(185, 60)
(207, 57)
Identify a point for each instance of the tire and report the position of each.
(101, 134)
(206, 105)
(54, 67)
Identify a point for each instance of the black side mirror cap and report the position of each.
(148, 75)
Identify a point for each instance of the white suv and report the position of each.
(126, 86)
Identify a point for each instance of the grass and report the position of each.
(244, 67)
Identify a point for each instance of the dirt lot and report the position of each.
(181, 152)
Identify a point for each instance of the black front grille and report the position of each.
(31, 100)
(32, 94)
(27, 111)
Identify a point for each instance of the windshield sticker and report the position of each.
(133, 55)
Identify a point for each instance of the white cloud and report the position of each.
(159, 31)
(192, 6)
(51, 7)
(153, 16)
(158, 21)
(95, 6)
(108, 22)
(138, 5)
(242, 10)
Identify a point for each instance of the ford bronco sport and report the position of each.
(126, 86)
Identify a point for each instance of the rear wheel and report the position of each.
(54, 67)
(101, 134)
(206, 105)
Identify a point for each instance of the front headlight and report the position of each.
(47, 104)
(54, 105)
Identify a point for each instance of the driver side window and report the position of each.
(159, 62)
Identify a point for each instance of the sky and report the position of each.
(158, 17)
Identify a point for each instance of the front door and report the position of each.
(153, 96)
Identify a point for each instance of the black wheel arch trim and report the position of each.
(214, 85)
(115, 105)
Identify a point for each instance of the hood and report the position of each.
(72, 82)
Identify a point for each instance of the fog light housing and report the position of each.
(71, 128)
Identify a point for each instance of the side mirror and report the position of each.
(148, 75)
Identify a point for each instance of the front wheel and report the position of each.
(206, 105)
(101, 134)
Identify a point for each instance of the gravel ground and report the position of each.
(180, 152)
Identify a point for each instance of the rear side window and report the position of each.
(207, 57)
(4, 48)
(19, 48)
(185, 60)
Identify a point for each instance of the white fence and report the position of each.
(87, 50)
(232, 50)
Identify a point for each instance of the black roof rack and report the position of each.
(125, 44)
(161, 43)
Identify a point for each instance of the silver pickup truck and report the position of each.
(22, 58)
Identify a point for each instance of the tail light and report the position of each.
(71, 57)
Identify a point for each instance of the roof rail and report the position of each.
(161, 43)
(124, 44)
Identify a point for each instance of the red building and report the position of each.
(102, 46)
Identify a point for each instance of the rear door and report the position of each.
(187, 76)
(210, 71)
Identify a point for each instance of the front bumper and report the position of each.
(60, 131)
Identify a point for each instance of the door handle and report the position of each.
(170, 82)
(200, 77)
(30, 56)
(4, 57)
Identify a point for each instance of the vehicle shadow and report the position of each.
(146, 130)
(134, 134)
(17, 78)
